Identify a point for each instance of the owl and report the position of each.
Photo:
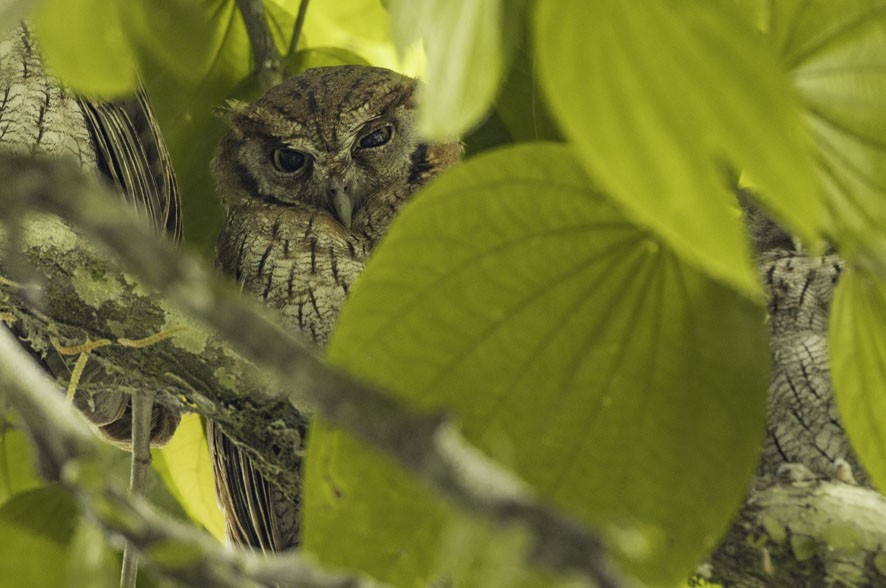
(310, 176)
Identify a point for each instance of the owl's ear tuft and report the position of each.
(229, 110)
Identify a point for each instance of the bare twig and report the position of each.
(296, 30)
(425, 444)
(265, 58)
(142, 407)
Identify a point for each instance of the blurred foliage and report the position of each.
(858, 341)
(18, 465)
(588, 311)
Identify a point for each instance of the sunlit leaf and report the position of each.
(84, 43)
(836, 54)
(624, 385)
(659, 101)
(360, 26)
(186, 468)
(463, 41)
(858, 366)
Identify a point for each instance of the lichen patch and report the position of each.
(94, 290)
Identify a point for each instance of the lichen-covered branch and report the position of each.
(805, 532)
(170, 547)
(425, 444)
(68, 299)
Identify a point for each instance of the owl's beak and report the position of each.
(341, 203)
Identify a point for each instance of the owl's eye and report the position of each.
(288, 160)
(376, 138)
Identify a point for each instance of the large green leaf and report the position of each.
(624, 385)
(658, 100)
(836, 54)
(858, 349)
(463, 40)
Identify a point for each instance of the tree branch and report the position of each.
(172, 548)
(805, 532)
(265, 58)
(142, 407)
(425, 444)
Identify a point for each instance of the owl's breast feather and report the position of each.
(296, 259)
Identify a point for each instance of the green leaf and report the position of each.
(35, 529)
(520, 103)
(361, 26)
(84, 43)
(463, 41)
(184, 108)
(90, 561)
(659, 100)
(836, 54)
(174, 33)
(858, 366)
(185, 466)
(625, 386)
(18, 463)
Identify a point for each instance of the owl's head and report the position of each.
(331, 138)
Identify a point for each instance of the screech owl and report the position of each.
(310, 175)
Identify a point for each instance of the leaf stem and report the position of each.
(296, 30)
(142, 407)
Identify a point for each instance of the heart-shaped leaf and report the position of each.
(626, 386)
